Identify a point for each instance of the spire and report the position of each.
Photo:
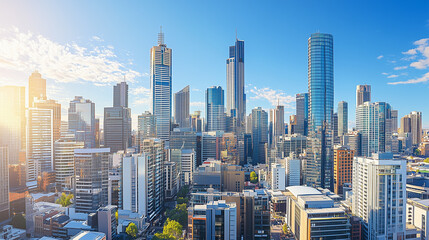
(160, 37)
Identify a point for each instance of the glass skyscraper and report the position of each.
(302, 114)
(259, 134)
(342, 118)
(81, 119)
(181, 107)
(120, 95)
(319, 162)
(160, 85)
(215, 109)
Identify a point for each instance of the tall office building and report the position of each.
(373, 122)
(92, 178)
(215, 109)
(412, 123)
(39, 143)
(394, 116)
(235, 94)
(13, 121)
(117, 128)
(135, 179)
(343, 166)
(277, 123)
(301, 114)
(293, 171)
(56, 114)
(120, 95)
(259, 134)
(278, 177)
(181, 107)
(81, 120)
(363, 94)
(36, 88)
(379, 196)
(210, 145)
(343, 118)
(146, 126)
(321, 108)
(160, 86)
(4, 184)
(197, 123)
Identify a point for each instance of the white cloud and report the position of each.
(385, 73)
(400, 68)
(140, 91)
(97, 38)
(273, 96)
(424, 78)
(393, 76)
(25, 52)
(197, 104)
(421, 53)
(380, 57)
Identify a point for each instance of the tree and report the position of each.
(116, 215)
(18, 221)
(132, 230)
(183, 192)
(426, 160)
(253, 177)
(65, 200)
(285, 229)
(179, 214)
(181, 200)
(172, 230)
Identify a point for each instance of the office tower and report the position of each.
(301, 114)
(214, 220)
(229, 149)
(135, 183)
(197, 123)
(81, 120)
(120, 95)
(278, 177)
(394, 116)
(56, 114)
(64, 159)
(215, 109)
(335, 128)
(4, 183)
(259, 134)
(160, 86)
(343, 118)
(185, 160)
(146, 126)
(117, 128)
(235, 94)
(354, 140)
(292, 124)
(13, 121)
(343, 166)
(293, 171)
(210, 145)
(154, 149)
(363, 94)
(39, 143)
(106, 220)
(36, 88)
(277, 123)
(181, 107)
(92, 177)
(321, 108)
(171, 176)
(412, 123)
(295, 143)
(373, 122)
(183, 138)
(312, 215)
(379, 195)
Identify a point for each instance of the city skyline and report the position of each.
(381, 62)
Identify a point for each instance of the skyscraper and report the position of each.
(81, 120)
(56, 114)
(4, 183)
(146, 126)
(343, 165)
(277, 123)
(215, 109)
(36, 88)
(321, 107)
(259, 134)
(236, 97)
(363, 94)
(120, 95)
(64, 159)
(161, 85)
(135, 183)
(301, 114)
(117, 128)
(394, 116)
(181, 107)
(13, 121)
(342, 118)
(416, 127)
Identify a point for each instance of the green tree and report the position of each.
(65, 200)
(183, 192)
(132, 230)
(181, 200)
(179, 214)
(253, 177)
(285, 229)
(18, 221)
(172, 230)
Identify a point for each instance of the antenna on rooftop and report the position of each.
(160, 37)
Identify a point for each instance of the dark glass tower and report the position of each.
(215, 109)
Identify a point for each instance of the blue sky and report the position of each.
(84, 47)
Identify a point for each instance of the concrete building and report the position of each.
(181, 107)
(207, 175)
(64, 163)
(417, 215)
(171, 176)
(107, 221)
(278, 177)
(295, 143)
(276, 123)
(4, 184)
(56, 114)
(354, 140)
(117, 128)
(343, 119)
(379, 196)
(135, 183)
(363, 94)
(89, 235)
(120, 95)
(293, 171)
(210, 145)
(343, 166)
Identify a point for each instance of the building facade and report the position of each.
(259, 134)
(181, 107)
(301, 114)
(81, 120)
(363, 94)
(215, 109)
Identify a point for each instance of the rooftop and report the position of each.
(87, 235)
(303, 190)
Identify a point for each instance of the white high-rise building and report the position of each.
(379, 196)
(64, 158)
(161, 86)
(134, 183)
(278, 177)
(181, 107)
(293, 171)
(188, 165)
(276, 123)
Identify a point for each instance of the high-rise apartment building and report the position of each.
(259, 134)
(181, 107)
(343, 166)
(343, 118)
(321, 109)
(161, 86)
(135, 179)
(4, 184)
(379, 196)
(235, 94)
(412, 123)
(36, 88)
(278, 177)
(92, 178)
(301, 114)
(13, 121)
(120, 95)
(81, 120)
(215, 109)
(117, 128)
(146, 127)
(363, 94)
(56, 114)
(277, 123)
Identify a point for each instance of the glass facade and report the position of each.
(302, 114)
(342, 118)
(215, 109)
(81, 119)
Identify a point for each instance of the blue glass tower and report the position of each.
(319, 165)
(215, 109)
